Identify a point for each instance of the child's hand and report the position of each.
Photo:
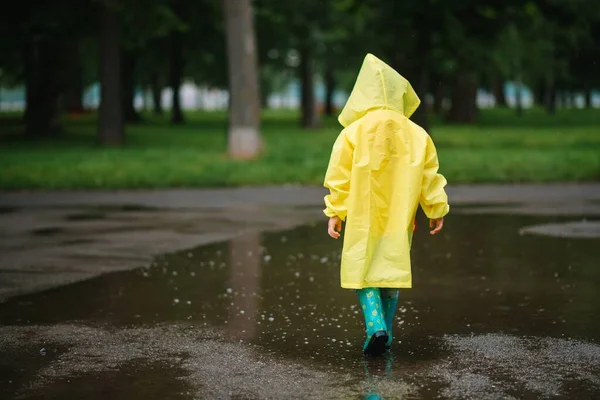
(334, 227)
(436, 224)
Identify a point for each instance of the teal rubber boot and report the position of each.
(389, 302)
(377, 337)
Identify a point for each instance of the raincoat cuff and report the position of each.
(439, 211)
(329, 213)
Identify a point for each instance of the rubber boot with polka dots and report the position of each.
(377, 337)
(389, 302)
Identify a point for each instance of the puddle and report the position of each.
(281, 292)
(19, 365)
(124, 207)
(85, 216)
(48, 231)
(133, 380)
(572, 229)
(8, 210)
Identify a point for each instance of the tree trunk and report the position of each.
(43, 65)
(156, 89)
(265, 89)
(498, 89)
(587, 94)
(245, 261)
(176, 76)
(310, 117)
(329, 90)
(539, 94)
(439, 96)
(244, 139)
(128, 64)
(560, 99)
(73, 96)
(464, 100)
(550, 98)
(519, 96)
(110, 122)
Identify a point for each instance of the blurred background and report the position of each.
(181, 93)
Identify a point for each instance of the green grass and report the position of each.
(501, 148)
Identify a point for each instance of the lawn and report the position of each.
(501, 148)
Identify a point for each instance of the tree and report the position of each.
(469, 34)
(176, 68)
(110, 124)
(342, 46)
(129, 61)
(584, 65)
(146, 26)
(294, 28)
(37, 52)
(567, 26)
(73, 94)
(244, 103)
(406, 43)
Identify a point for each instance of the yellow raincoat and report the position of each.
(382, 166)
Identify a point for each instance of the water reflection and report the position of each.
(375, 370)
(245, 261)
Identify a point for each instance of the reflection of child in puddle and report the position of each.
(372, 371)
(382, 167)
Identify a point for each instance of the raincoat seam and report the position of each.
(385, 101)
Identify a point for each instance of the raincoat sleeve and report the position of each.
(337, 178)
(434, 199)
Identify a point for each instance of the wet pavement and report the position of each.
(496, 312)
(43, 247)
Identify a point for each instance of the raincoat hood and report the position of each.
(378, 87)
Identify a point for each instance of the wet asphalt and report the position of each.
(494, 313)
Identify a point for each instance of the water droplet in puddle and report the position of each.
(176, 301)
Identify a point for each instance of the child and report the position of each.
(382, 166)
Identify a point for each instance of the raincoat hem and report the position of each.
(377, 285)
